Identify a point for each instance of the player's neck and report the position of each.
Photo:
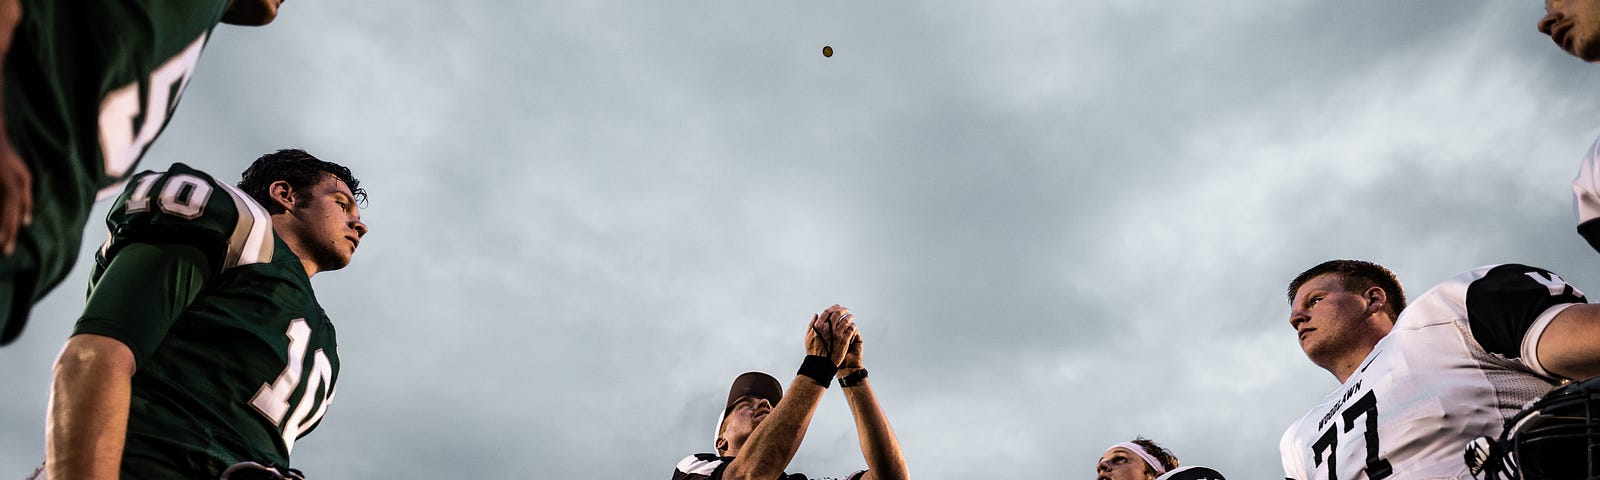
(295, 245)
(1351, 359)
(1347, 365)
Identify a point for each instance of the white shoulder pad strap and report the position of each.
(252, 237)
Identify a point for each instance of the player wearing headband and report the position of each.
(1139, 459)
(761, 428)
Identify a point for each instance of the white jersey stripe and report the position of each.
(257, 246)
(696, 466)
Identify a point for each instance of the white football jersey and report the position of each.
(1459, 362)
(1586, 196)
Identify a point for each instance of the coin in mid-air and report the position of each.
(827, 51)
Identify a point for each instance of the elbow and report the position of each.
(899, 473)
(904, 475)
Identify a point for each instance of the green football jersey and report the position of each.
(89, 84)
(246, 365)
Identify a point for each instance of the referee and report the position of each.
(761, 428)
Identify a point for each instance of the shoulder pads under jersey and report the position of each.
(187, 206)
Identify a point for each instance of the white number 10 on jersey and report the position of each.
(272, 400)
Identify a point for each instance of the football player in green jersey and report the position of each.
(202, 349)
(85, 87)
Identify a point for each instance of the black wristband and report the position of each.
(819, 369)
(854, 378)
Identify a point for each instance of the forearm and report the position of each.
(87, 419)
(774, 442)
(879, 446)
(10, 17)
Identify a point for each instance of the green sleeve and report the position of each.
(141, 294)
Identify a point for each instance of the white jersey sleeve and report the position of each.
(1289, 453)
(1586, 196)
(1458, 362)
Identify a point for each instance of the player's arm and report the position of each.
(1534, 317)
(16, 182)
(774, 442)
(1570, 346)
(879, 446)
(88, 413)
(137, 298)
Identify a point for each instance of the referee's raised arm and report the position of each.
(773, 442)
(878, 444)
(761, 428)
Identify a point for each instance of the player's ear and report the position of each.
(1377, 299)
(722, 444)
(281, 193)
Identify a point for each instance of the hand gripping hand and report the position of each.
(831, 333)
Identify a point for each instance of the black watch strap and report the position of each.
(854, 379)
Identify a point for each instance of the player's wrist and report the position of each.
(854, 378)
(819, 369)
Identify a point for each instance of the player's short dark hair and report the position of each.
(300, 169)
(1356, 276)
(1161, 454)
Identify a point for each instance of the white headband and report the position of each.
(1138, 450)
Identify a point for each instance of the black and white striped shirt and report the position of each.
(709, 466)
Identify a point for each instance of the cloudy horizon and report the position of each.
(1060, 225)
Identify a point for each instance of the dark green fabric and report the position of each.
(66, 57)
(192, 407)
(141, 293)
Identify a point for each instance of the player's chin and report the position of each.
(251, 13)
(1589, 52)
(333, 260)
(1310, 347)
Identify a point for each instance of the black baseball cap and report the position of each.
(755, 384)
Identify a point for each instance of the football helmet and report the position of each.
(1557, 437)
(1191, 473)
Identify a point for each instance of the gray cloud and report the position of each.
(1061, 225)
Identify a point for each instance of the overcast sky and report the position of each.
(1060, 223)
